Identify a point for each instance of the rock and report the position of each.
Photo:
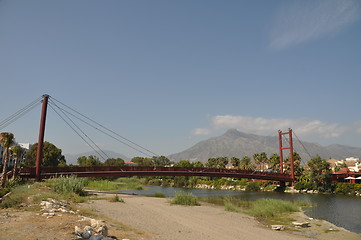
(278, 227)
(88, 228)
(299, 224)
(103, 230)
(86, 235)
(97, 237)
(99, 226)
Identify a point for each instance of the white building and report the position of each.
(349, 159)
(11, 162)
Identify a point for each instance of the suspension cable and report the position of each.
(303, 145)
(6, 122)
(80, 134)
(102, 131)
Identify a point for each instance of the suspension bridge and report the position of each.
(38, 172)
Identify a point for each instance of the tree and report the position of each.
(198, 164)
(52, 156)
(161, 161)
(219, 162)
(296, 164)
(261, 159)
(320, 173)
(235, 162)
(246, 163)
(114, 162)
(183, 163)
(142, 161)
(17, 152)
(89, 161)
(6, 140)
(274, 162)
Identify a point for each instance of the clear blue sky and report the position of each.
(168, 74)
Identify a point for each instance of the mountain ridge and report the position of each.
(234, 143)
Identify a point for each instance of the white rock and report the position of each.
(278, 227)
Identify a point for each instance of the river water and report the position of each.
(343, 211)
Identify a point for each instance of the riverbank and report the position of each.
(157, 219)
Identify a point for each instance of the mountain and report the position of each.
(72, 158)
(238, 144)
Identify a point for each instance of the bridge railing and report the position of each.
(92, 169)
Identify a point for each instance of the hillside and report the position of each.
(238, 144)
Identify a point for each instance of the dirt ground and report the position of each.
(162, 221)
(149, 218)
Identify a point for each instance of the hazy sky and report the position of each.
(168, 74)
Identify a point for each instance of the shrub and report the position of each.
(345, 188)
(116, 198)
(187, 199)
(299, 186)
(67, 185)
(4, 191)
(253, 187)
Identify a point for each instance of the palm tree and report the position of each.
(17, 153)
(246, 164)
(6, 140)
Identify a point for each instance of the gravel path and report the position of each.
(162, 221)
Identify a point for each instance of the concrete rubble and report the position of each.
(94, 230)
(301, 224)
(278, 227)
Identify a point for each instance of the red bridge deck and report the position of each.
(128, 171)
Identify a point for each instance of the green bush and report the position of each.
(253, 187)
(345, 188)
(187, 199)
(4, 191)
(67, 185)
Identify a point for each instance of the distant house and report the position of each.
(351, 163)
(126, 163)
(353, 159)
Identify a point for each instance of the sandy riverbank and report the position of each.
(158, 220)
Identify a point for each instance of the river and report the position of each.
(343, 211)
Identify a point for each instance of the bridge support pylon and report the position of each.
(290, 148)
(39, 154)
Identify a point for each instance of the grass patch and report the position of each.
(262, 208)
(28, 194)
(103, 185)
(186, 199)
(229, 206)
(159, 195)
(129, 183)
(266, 208)
(116, 198)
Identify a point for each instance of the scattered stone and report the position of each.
(77, 229)
(88, 228)
(97, 237)
(278, 227)
(86, 235)
(99, 226)
(299, 224)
